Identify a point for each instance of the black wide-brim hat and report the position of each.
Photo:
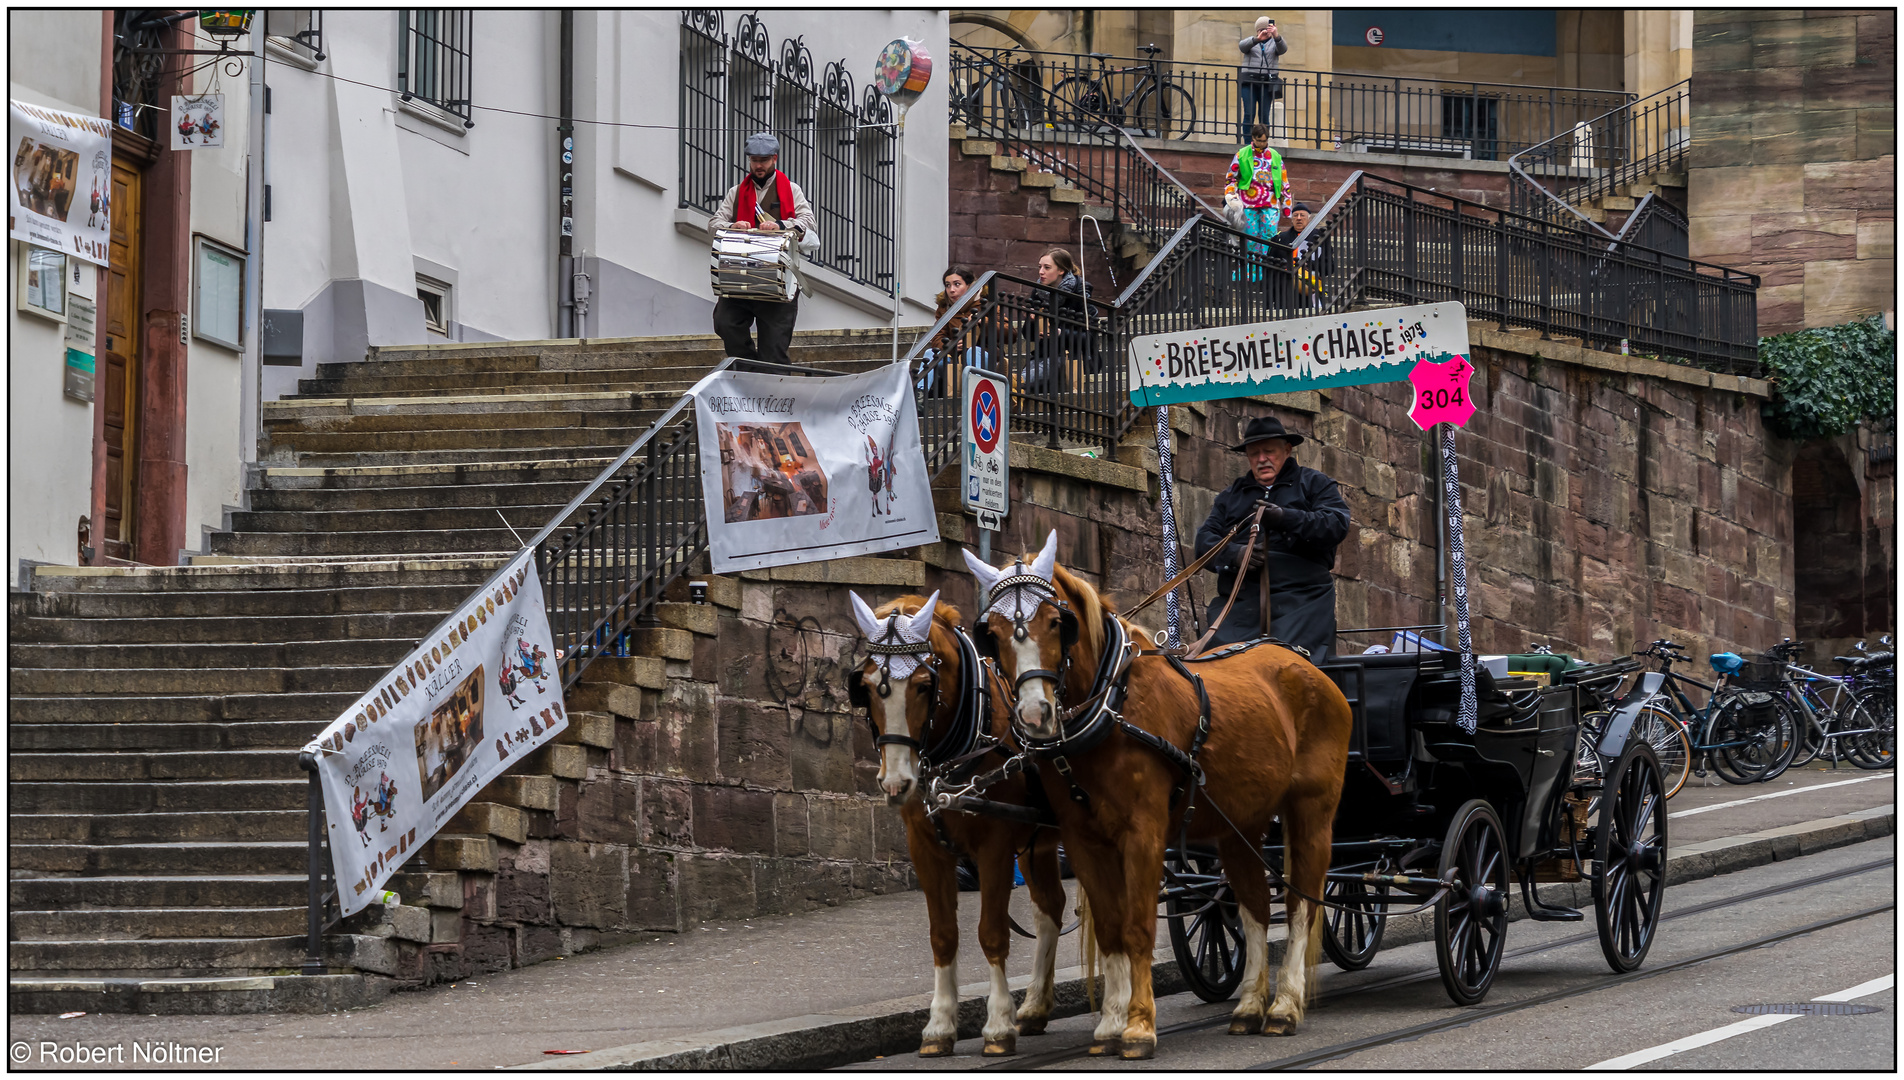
(1266, 427)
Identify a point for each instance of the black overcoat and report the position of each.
(1301, 556)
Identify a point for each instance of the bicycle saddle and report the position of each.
(1150, 50)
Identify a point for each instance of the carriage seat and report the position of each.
(1379, 698)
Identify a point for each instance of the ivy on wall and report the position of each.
(1825, 381)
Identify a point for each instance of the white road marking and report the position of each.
(1755, 1023)
(1775, 795)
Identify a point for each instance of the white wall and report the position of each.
(54, 59)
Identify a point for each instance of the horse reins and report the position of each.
(1255, 524)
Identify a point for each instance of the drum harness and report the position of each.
(1083, 727)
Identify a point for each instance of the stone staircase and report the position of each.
(1610, 211)
(156, 850)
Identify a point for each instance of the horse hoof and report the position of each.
(936, 1047)
(1004, 1047)
(1138, 1050)
(1279, 1025)
(1104, 1046)
(1032, 1025)
(1246, 1025)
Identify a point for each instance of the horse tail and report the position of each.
(1087, 949)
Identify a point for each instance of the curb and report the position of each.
(844, 1036)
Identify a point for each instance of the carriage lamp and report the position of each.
(697, 592)
(224, 25)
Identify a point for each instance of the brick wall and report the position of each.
(1793, 170)
(1608, 501)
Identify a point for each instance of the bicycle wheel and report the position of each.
(1750, 739)
(1877, 750)
(1586, 755)
(1165, 112)
(1667, 736)
(1081, 104)
(1811, 740)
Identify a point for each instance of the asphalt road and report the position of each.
(1549, 1008)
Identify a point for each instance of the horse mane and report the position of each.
(1089, 606)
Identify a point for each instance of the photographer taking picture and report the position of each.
(1258, 81)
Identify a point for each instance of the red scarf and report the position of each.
(747, 215)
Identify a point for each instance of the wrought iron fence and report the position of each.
(1165, 99)
(1601, 156)
(840, 148)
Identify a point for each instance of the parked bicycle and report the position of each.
(1001, 96)
(1833, 721)
(1874, 683)
(1745, 733)
(1155, 108)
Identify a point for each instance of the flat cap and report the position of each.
(762, 144)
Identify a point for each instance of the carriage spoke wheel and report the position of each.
(1629, 852)
(1206, 934)
(1471, 919)
(1354, 934)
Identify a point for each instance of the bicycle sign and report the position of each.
(985, 473)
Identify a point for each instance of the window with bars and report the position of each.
(434, 57)
(297, 29)
(837, 144)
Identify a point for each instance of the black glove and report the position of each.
(1273, 515)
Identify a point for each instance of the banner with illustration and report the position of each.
(462, 708)
(803, 468)
(60, 195)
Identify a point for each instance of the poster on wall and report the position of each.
(60, 192)
(799, 469)
(479, 693)
(198, 123)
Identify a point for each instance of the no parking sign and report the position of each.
(984, 472)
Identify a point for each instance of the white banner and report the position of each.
(459, 710)
(799, 469)
(60, 193)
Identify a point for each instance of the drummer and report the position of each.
(764, 201)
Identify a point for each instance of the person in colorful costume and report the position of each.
(1257, 180)
(764, 201)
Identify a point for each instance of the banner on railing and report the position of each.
(61, 194)
(459, 710)
(1350, 349)
(799, 469)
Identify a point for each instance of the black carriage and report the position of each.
(1435, 815)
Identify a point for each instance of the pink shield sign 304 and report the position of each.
(1441, 392)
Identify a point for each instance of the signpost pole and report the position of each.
(1166, 483)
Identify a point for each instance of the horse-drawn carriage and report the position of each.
(1433, 814)
(1355, 786)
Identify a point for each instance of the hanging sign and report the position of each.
(198, 123)
(801, 469)
(1350, 349)
(463, 707)
(1441, 392)
(985, 470)
(61, 181)
(81, 330)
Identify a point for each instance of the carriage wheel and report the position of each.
(1354, 935)
(1206, 934)
(1471, 919)
(1629, 852)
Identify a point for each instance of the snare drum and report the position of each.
(753, 266)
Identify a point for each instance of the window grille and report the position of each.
(433, 62)
(301, 28)
(838, 145)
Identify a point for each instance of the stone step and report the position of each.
(64, 797)
(194, 891)
(471, 406)
(597, 455)
(147, 923)
(442, 519)
(369, 573)
(243, 825)
(132, 765)
(600, 352)
(475, 475)
(157, 957)
(197, 996)
(221, 857)
(497, 543)
(209, 681)
(358, 652)
(230, 735)
(208, 629)
(380, 423)
(540, 440)
(415, 497)
(323, 706)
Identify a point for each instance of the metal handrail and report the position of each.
(1538, 200)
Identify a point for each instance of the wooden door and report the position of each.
(119, 394)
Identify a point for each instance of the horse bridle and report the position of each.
(1045, 593)
(893, 643)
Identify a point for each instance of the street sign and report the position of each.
(984, 472)
(1442, 392)
(1350, 349)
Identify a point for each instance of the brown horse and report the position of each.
(921, 688)
(1277, 745)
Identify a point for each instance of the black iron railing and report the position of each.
(433, 61)
(1164, 99)
(1601, 156)
(839, 145)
